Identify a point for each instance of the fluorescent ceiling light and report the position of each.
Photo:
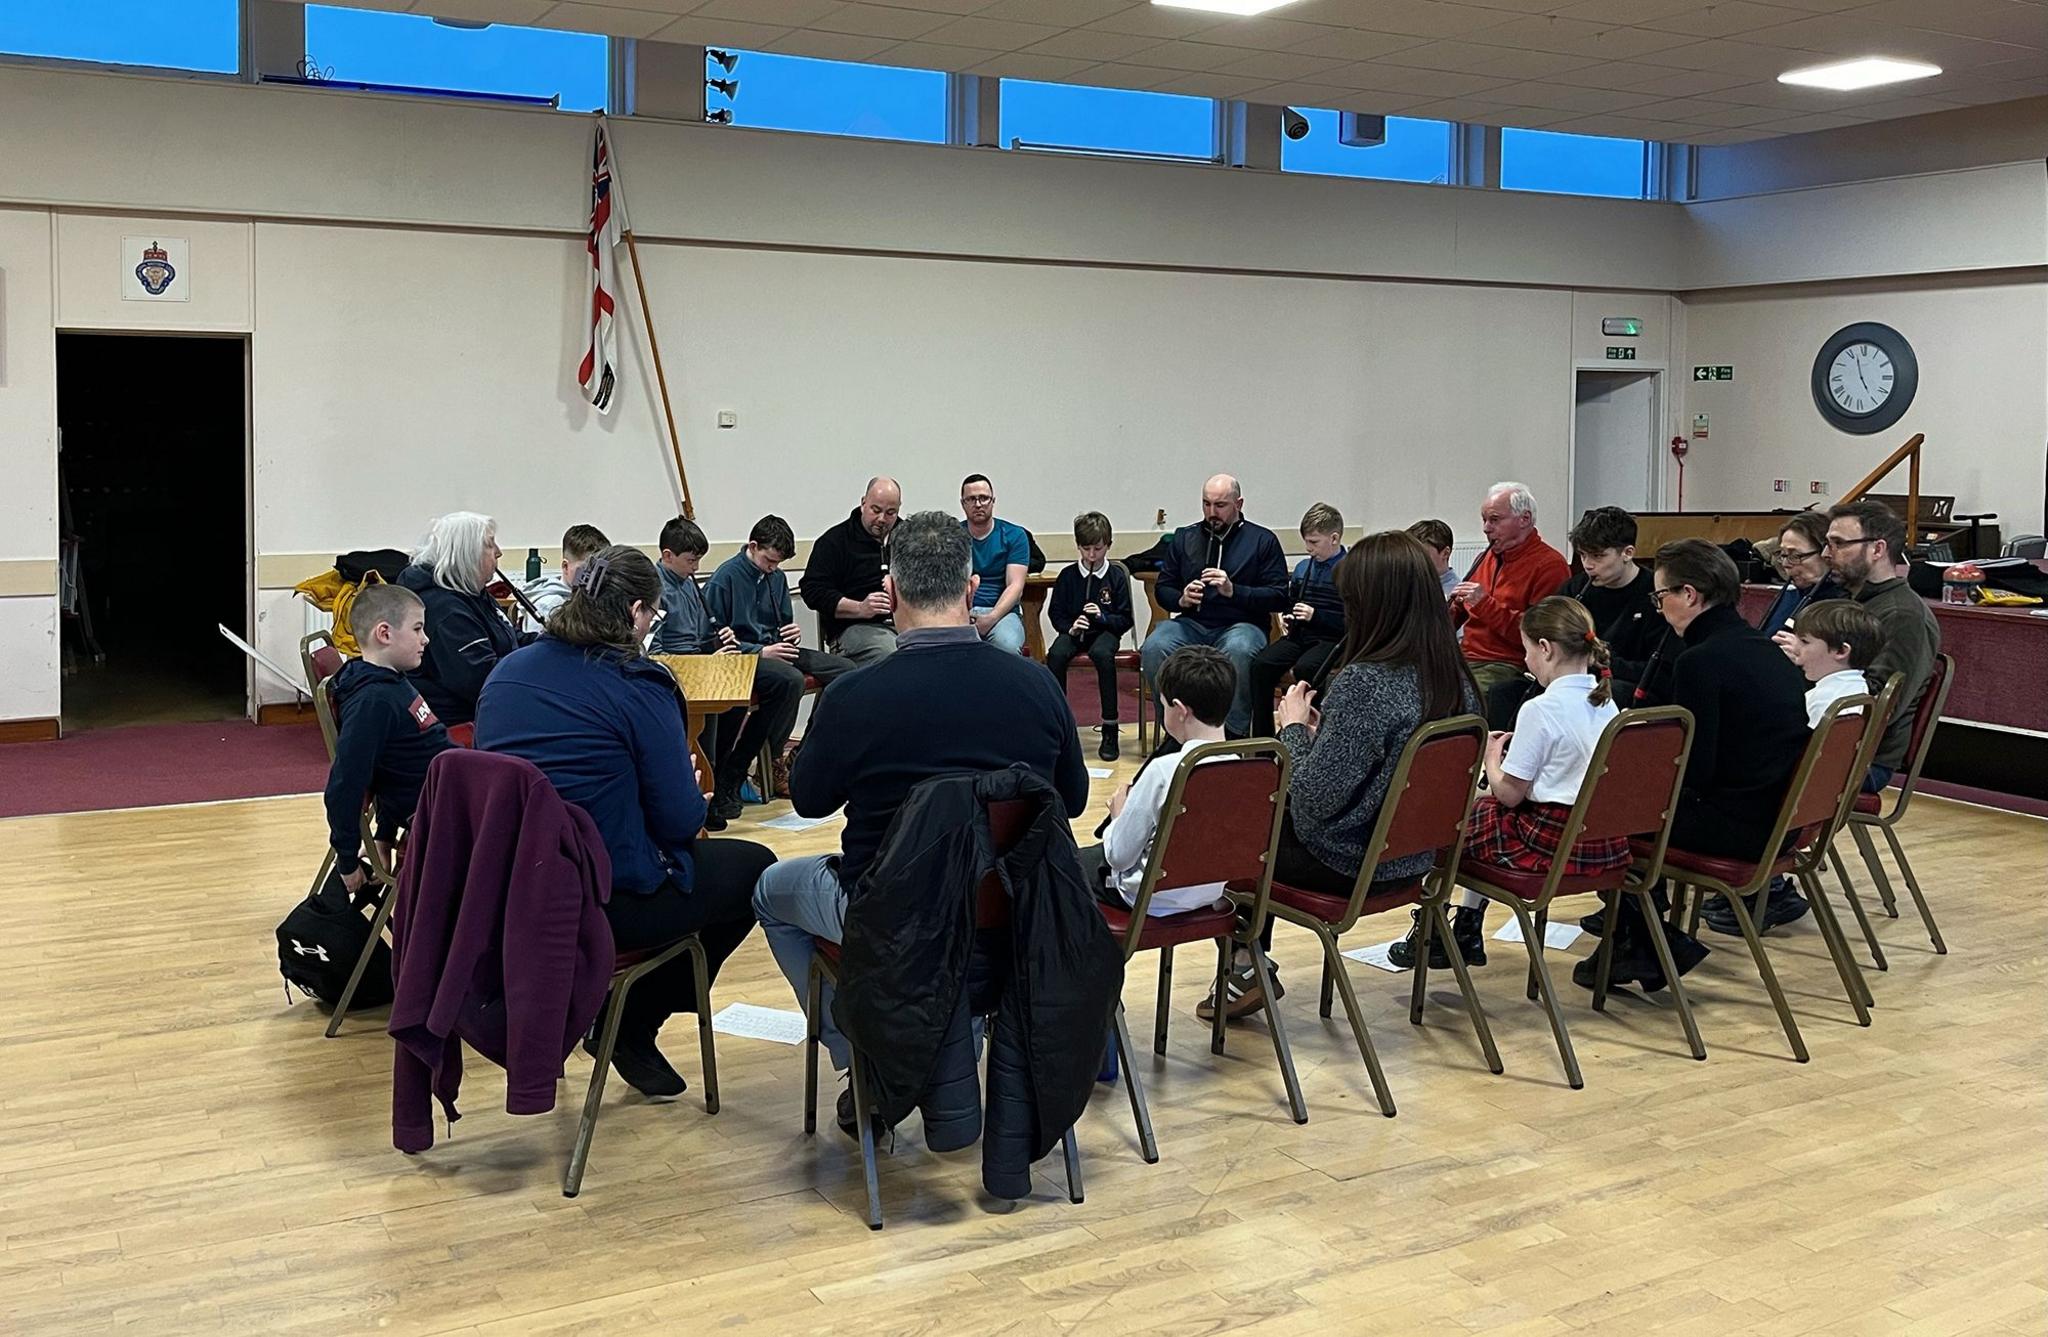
(1241, 8)
(1848, 75)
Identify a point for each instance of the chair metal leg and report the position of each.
(1913, 886)
(355, 976)
(1856, 908)
(593, 1100)
(1418, 974)
(1542, 923)
(1222, 996)
(1838, 948)
(320, 878)
(1165, 1005)
(1263, 969)
(1329, 987)
(1356, 1016)
(700, 968)
(1540, 987)
(1484, 1031)
(1662, 947)
(814, 992)
(867, 1144)
(1692, 918)
(1073, 1157)
(1610, 903)
(1148, 1146)
(1861, 833)
(1769, 976)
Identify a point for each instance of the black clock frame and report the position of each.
(1905, 377)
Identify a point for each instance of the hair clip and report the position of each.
(1592, 637)
(590, 577)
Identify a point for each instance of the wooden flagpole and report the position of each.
(668, 412)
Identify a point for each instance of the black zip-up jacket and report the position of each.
(910, 935)
(385, 736)
(466, 637)
(846, 562)
(1074, 588)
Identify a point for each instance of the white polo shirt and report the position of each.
(1555, 735)
(1827, 691)
(1127, 844)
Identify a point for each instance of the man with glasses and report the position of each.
(1803, 561)
(1864, 542)
(1002, 558)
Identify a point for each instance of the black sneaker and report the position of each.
(641, 1066)
(725, 804)
(1109, 749)
(1781, 905)
(1595, 923)
(849, 1120)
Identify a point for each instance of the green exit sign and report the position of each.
(1713, 373)
(1621, 353)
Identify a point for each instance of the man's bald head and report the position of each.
(879, 505)
(1222, 503)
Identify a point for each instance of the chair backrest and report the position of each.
(322, 660)
(1826, 781)
(1631, 787)
(1926, 714)
(1428, 802)
(1008, 820)
(1220, 823)
(1133, 581)
(323, 711)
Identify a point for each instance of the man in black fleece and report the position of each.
(946, 702)
(385, 734)
(844, 580)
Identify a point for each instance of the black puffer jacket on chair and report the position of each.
(1053, 973)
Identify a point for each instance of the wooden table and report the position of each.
(710, 685)
(1032, 606)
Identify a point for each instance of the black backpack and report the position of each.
(320, 940)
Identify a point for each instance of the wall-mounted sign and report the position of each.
(156, 269)
(1713, 373)
(1621, 327)
(1699, 426)
(1621, 353)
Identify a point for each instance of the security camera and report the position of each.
(1293, 124)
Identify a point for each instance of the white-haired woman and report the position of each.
(466, 634)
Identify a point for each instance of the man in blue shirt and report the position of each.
(1222, 580)
(945, 702)
(1002, 557)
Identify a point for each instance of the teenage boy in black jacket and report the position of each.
(1091, 606)
(385, 734)
(843, 580)
(1615, 589)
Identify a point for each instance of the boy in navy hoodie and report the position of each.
(385, 734)
(1314, 616)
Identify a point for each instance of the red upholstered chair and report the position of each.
(1009, 821)
(1869, 811)
(1429, 798)
(1816, 804)
(1220, 823)
(1630, 792)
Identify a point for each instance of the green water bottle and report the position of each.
(532, 565)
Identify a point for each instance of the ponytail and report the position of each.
(1565, 622)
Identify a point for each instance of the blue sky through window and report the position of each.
(367, 46)
(832, 97)
(186, 35)
(1414, 151)
(1571, 164)
(1107, 118)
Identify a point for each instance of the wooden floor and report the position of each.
(181, 1150)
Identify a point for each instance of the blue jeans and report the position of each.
(1008, 635)
(1240, 641)
(1877, 779)
(796, 901)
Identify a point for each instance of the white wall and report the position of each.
(1982, 348)
(28, 465)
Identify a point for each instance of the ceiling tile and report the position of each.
(1614, 127)
(1382, 78)
(1295, 94)
(489, 11)
(1023, 65)
(1485, 113)
(1056, 13)
(1702, 111)
(902, 25)
(1997, 20)
(1119, 76)
(1156, 21)
(1584, 101)
(1185, 56)
(1727, 18)
(1724, 57)
(720, 32)
(1192, 84)
(1625, 11)
(1279, 65)
(1265, 34)
(1417, 18)
(1088, 44)
(1471, 58)
(1575, 37)
(790, 13)
(603, 19)
(989, 34)
(828, 45)
(934, 56)
(1352, 44)
(1802, 125)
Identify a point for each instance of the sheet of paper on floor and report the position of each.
(1556, 936)
(1100, 772)
(759, 1023)
(1376, 956)
(790, 821)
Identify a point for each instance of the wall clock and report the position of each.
(1864, 377)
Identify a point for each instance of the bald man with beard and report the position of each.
(843, 581)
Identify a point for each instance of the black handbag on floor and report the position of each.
(320, 940)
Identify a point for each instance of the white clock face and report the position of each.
(1860, 378)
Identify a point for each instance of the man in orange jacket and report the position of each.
(1517, 569)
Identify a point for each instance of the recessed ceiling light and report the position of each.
(1241, 8)
(1848, 75)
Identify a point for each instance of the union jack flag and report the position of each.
(598, 373)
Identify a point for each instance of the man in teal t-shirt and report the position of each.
(1002, 556)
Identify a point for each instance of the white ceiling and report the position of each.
(1656, 69)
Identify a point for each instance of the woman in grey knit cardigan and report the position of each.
(1397, 669)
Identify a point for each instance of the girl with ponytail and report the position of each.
(1532, 784)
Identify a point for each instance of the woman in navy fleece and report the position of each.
(605, 724)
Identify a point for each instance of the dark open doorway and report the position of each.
(153, 461)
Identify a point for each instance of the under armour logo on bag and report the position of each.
(315, 950)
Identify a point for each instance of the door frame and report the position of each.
(1657, 376)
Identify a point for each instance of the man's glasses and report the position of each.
(1837, 544)
(977, 501)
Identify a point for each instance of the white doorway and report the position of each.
(1615, 440)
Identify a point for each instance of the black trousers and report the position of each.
(1101, 648)
(719, 908)
(1700, 829)
(778, 691)
(1306, 659)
